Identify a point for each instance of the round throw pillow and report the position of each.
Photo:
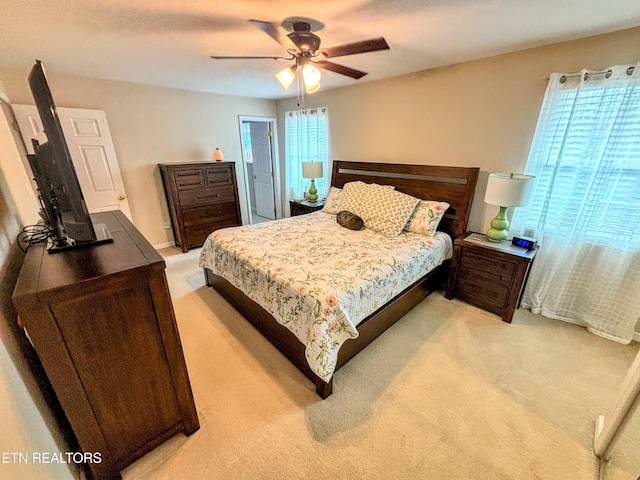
(349, 220)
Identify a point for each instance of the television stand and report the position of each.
(101, 321)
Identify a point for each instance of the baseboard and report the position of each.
(164, 245)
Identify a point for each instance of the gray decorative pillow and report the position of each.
(349, 220)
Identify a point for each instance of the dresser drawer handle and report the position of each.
(202, 197)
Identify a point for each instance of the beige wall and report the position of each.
(481, 113)
(152, 125)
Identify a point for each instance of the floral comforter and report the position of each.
(319, 279)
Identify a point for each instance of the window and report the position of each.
(246, 142)
(586, 202)
(305, 140)
(586, 159)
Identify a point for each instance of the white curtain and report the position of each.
(585, 208)
(306, 139)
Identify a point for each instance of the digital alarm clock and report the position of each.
(526, 242)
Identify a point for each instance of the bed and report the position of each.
(316, 313)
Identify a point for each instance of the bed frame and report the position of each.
(454, 185)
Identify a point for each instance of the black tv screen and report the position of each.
(63, 205)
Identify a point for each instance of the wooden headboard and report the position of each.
(454, 185)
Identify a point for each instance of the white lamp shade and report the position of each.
(286, 76)
(311, 170)
(311, 76)
(312, 89)
(509, 189)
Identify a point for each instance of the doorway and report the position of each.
(259, 149)
(92, 152)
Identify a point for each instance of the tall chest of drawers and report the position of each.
(202, 197)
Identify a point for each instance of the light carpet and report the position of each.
(449, 392)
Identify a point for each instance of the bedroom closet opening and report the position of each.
(259, 154)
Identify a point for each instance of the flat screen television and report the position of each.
(63, 207)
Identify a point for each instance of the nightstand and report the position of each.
(301, 208)
(489, 275)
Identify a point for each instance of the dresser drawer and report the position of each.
(188, 178)
(206, 196)
(198, 234)
(219, 176)
(491, 269)
(481, 292)
(222, 212)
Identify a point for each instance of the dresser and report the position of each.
(489, 275)
(101, 320)
(202, 197)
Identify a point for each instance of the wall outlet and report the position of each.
(167, 225)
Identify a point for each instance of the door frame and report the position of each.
(30, 126)
(610, 426)
(273, 127)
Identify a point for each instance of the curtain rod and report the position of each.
(607, 74)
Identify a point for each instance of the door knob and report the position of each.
(121, 197)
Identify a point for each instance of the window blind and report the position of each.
(586, 157)
(306, 139)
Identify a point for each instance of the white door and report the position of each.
(92, 151)
(262, 169)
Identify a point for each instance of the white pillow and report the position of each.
(382, 208)
(426, 217)
(333, 203)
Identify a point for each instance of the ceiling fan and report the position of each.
(303, 46)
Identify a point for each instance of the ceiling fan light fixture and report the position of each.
(286, 76)
(313, 88)
(311, 77)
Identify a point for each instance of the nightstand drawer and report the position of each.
(481, 292)
(491, 269)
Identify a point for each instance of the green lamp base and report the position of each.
(499, 226)
(313, 193)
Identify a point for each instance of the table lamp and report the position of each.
(312, 170)
(506, 190)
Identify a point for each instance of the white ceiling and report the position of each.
(168, 42)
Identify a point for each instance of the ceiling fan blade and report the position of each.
(341, 69)
(274, 32)
(218, 57)
(358, 47)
